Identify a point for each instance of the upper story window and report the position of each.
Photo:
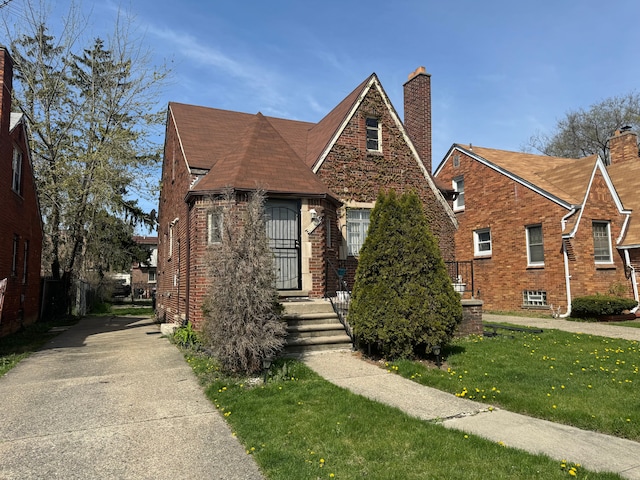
(357, 227)
(152, 276)
(602, 242)
(214, 227)
(482, 242)
(373, 134)
(16, 171)
(458, 186)
(535, 247)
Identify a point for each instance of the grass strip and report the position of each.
(582, 380)
(300, 426)
(19, 345)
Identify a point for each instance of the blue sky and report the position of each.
(501, 70)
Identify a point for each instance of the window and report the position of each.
(14, 256)
(534, 298)
(602, 242)
(214, 227)
(16, 171)
(373, 134)
(25, 262)
(535, 247)
(170, 245)
(357, 226)
(458, 186)
(482, 242)
(152, 276)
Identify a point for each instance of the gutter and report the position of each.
(565, 256)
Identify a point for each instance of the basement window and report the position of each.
(534, 298)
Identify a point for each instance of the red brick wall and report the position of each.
(494, 201)
(358, 175)
(171, 300)
(19, 216)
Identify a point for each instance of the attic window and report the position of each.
(373, 134)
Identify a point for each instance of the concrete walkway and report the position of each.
(594, 451)
(111, 399)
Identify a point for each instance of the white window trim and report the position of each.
(378, 130)
(476, 243)
(608, 224)
(350, 246)
(531, 263)
(455, 183)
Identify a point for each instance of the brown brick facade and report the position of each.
(495, 201)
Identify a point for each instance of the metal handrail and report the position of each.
(339, 302)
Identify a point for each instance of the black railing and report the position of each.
(461, 274)
(339, 294)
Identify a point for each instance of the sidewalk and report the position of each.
(110, 398)
(594, 451)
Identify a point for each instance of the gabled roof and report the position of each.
(565, 181)
(261, 158)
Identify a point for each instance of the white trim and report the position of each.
(175, 126)
(454, 183)
(526, 234)
(476, 243)
(610, 250)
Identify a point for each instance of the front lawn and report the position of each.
(582, 380)
(300, 426)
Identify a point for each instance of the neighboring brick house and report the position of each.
(321, 181)
(542, 230)
(20, 220)
(144, 274)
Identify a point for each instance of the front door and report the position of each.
(283, 230)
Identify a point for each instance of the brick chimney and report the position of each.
(623, 146)
(6, 85)
(417, 113)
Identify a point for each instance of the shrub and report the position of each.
(242, 318)
(597, 305)
(402, 300)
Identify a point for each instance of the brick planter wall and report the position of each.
(471, 318)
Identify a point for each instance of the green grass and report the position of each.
(582, 380)
(300, 426)
(121, 310)
(19, 345)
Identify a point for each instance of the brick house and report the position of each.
(321, 181)
(542, 230)
(20, 220)
(144, 274)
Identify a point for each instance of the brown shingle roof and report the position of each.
(626, 179)
(566, 179)
(322, 133)
(261, 158)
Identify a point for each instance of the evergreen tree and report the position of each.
(242, 318)
(402, 301)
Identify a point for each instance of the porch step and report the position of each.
(313, 326)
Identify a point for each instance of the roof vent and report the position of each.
(624, 129)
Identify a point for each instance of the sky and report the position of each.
(501, 71)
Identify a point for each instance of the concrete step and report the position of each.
(313, 326)
(322, 330)
(307, 307)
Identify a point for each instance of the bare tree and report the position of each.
(243, 322)
(586, 132)
(93, 117)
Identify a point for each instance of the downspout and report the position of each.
(634, 282)
(565, 256)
